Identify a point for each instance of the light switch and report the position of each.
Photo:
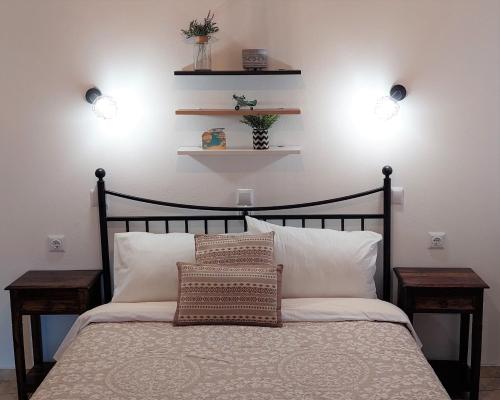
(93, 197)
(94, 201)
(244, 197)
(398, 195)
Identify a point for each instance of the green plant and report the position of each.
(261, 122)
(205, 28)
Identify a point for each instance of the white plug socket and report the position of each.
(56, 243)
(437, 240)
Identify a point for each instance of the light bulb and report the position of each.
(105, 107)
(386, 108)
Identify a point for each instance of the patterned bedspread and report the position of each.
(302, 360)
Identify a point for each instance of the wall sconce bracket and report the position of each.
(398, 92)
(92, 94)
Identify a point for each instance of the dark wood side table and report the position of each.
(44, 293)
(448, 290)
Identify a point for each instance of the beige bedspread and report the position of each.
(303, 360)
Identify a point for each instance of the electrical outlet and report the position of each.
(437, 240)
(56, 243)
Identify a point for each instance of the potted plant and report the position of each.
(202, 33)
(260, 125)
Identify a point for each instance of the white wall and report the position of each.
(443, 146)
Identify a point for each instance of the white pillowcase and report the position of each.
(145, 265)
(323, 262)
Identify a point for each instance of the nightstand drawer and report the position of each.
(446, 302)
(61, 301)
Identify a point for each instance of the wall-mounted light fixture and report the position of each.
(387, 106)
(105, 107)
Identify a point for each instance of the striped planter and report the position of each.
(260, 139)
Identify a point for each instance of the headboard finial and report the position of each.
(387, 171)
(100, 173)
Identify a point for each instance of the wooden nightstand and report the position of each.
(448, 290)
(42, 293)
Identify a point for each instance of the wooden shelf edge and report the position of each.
(275, 150)
(232, 111)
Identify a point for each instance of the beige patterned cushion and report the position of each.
(225, 294)
(235, 249)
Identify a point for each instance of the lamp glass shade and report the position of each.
(386, 108)
(105, 107)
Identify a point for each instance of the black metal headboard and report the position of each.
(239, 215)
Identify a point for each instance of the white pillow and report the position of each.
(323, 262)
(145, 266)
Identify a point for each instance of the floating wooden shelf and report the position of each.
(232, 111)
(242, 72)
(277, 150)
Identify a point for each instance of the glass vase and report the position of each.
(202, 56)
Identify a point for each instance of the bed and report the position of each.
(328, 347)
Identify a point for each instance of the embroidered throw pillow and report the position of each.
(245, 249)
(229, 295)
